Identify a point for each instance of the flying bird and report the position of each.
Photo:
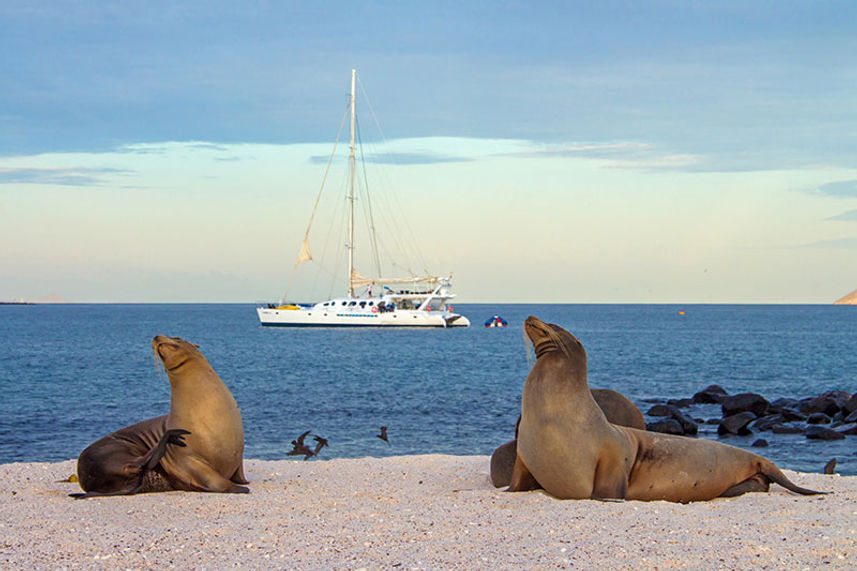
(299, 448)
(322, 442)
(383, 435)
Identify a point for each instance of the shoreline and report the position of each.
(423, 511)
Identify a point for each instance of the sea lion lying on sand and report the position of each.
(566, 445)
(198, 446)
(617, 408)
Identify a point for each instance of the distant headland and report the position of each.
(50, 298)
(848, 299)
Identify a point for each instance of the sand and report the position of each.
(409, 512)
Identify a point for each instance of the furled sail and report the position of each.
(305, 255)
(360, 281)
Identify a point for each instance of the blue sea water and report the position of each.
(70, 374)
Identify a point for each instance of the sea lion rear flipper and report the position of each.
(522, 479)
(770, 470)
(173, 436)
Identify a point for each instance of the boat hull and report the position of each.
(304, 317)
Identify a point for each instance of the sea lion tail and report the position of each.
(770, 470)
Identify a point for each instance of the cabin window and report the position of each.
(362, 304)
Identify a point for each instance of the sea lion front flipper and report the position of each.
(755, 483)
(522, 479)
(610, 481)
(238, 477)
(193, 473)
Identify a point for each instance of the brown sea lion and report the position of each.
(566, 444)
(198, 446)
(617, 408)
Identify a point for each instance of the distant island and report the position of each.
(848, 299)
(50, 298)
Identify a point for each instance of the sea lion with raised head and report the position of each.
(566, 445)
(198, 446)
(617, 408)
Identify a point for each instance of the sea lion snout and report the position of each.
(547, 337)
(173, 351)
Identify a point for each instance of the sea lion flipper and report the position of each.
(197, 474)
(755, 483)
(173, 436)
(522, 480)
(238, 477)
(770, 470)
(610, 481)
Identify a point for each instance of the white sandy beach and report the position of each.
(407, 512)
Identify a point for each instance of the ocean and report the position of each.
(71, 373)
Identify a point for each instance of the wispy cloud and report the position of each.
(621, 155)
(403, 158)
(839, 189)
(58, 176)
(848, 216)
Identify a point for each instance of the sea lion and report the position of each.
(566, 445)
(617, 408)
(198, 446)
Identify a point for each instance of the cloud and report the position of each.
(848, 216)
(622, 155)
(57, 176)
(839, 189)
(402, 158)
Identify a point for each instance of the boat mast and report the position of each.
(351, 194)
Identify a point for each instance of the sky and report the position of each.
(557, 152)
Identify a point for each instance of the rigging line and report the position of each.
(413, 249)
(304, 244)
(409, 250)
(373, 234)
(339, 224)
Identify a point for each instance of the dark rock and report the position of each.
(851, 404)
(819, 418)
(792, 414)
(781, 403)
(712, 421)
(787, 429)
(745, 402)
(712, 394)
(760, 443)
(680, 403)
(687, 425)
(736, 424)
(662, 410)
(851, 417)
(849, 429)
(666, 426)
(839, 397)
(823, 404)
(822, 433)
(768, 422)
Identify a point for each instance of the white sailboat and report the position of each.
(397, 302)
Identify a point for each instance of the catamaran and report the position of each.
(415, 301)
